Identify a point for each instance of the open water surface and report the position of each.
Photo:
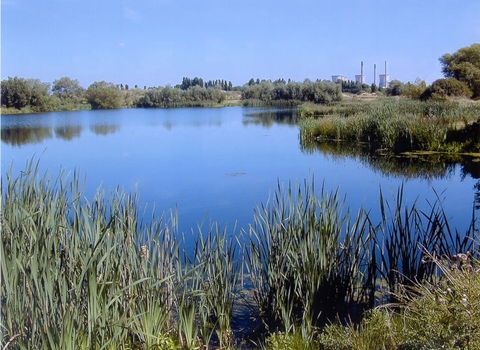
(218, 164)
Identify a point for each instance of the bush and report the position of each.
(430, 315)
(443, 88)
(103, 95)
(395, 88)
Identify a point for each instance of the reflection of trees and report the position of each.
(274, 116)
(68, 132)
(21, 136)
(408, 166)
(473, 168)
(104, 129)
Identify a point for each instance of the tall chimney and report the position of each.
(386, 74)
(361, 74)
(375, 74)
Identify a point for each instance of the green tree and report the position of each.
(15, 93)
(415, 89)
(395, 88)
(103, 95)
(443, 88)
(21, 93)
(464, 65)
(68, 89)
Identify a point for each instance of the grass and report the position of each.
(397, 125)
(429, 315)
(79, 273)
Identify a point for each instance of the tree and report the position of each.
(103, 95)
(395, 88)
(414, 90)
(464, 65)
(20, 93)
(15, 93)
(443, 88)
(68, 89)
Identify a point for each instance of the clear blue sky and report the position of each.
(157, 42)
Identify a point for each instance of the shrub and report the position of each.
(441, 314)
(443, 88)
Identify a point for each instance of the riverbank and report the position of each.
(396, 124)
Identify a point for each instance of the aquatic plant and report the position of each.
(79, 273)
(306, 260)
(398, 125)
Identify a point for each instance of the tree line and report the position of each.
(319, 91)
(461, 72)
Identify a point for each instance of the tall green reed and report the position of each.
(306, 260)
(76, 274)
(86, 274)
(399, 125)
(406, 235)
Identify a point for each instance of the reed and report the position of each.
(79, 274)
(399, 125)
(406, 236)
(76, 274)
(306, 260)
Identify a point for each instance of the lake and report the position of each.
(218, 164)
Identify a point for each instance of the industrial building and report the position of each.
(338, 78)
(360, 78)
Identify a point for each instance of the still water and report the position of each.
(218, 164)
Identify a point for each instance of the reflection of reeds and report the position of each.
(413, 165)
(86, 274)
(399, 125)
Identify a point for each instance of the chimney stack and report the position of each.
(361, 74)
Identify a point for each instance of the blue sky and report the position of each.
(157, 42)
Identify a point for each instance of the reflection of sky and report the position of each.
(211, 160)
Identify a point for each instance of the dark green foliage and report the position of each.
(172, 97)
(219, 84)
(464, 65)
(352, 87)
(20, 93)
(309, 91)
(443, 88)
(103, 95)
(395, 88)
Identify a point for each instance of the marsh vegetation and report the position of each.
(397, 125)
(86, 273)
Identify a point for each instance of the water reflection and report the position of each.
(68, 132)
(20, 136)
(425, 166)
(17, 136)
(104, 129)
(270, 117)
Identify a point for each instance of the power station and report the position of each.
(360, 78)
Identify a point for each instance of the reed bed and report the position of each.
(398, 125)
(78, 273)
